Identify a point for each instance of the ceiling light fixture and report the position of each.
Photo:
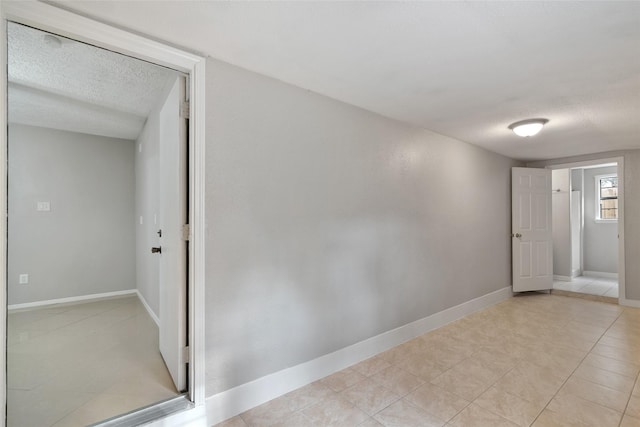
(528, 127)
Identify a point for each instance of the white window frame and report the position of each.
(596, 183)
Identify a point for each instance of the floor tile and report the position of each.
(421, 367)
(605, 378)
(437, 401)
(589, 285)
(595, 288)
(268, 413)
(474, 415)
(509, 406)
(370, 423)
(623, 368)
(88, 361)
(531, 383)
(404, 414)
(622, 343)
(343, 379)
(613, 292)
(233, 422)
(628, 421)
(307, 396)
(100, 407)
(549, 418)
(371, 366)
(295, 420)
(398, 381)
(633, 408)
(335, 411)
(38, 408)
(596, 393)
(458, 382)
(369, 396)
(568, 286)
(396, 354)
(584, 411)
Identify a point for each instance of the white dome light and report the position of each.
(528, 127)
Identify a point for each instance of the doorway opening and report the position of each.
(93, 318)
(587, 201)
(66, 24)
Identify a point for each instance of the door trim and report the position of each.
(622, 299)
(54, 19)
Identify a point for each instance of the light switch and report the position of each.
(23, 279)
(43, 206)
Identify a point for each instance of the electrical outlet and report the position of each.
(43, 206)
(24, 279)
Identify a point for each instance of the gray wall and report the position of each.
(631, 211)
(576, 179)
(600, 239)
(85, 244)
(328, 224)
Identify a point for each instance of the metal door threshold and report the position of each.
(149, 413)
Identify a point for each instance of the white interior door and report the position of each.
(532, 241)
(172, 217)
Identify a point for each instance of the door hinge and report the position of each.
(186, 355)
(186, 232)
(185, 110)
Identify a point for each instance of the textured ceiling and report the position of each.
(63, 84)
(463, 69)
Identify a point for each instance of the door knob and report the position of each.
(157, 250)
(518, 235)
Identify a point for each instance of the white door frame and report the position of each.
(622, 296)
(50, 18)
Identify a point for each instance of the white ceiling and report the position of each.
(72, 86)
(463, 69)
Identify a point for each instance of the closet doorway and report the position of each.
(587, 201)
(62, 23)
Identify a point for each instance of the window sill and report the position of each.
(606, 221)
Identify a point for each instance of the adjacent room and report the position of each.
(87, 130)
(585, 226)
(247, 214)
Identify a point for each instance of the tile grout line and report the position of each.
(629, 400)
(576, 368)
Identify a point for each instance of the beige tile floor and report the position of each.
(79, 364)
(534, 360)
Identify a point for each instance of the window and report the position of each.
(607, 197)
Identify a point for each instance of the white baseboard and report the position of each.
(235, 401)
(70, 300)
(577, 272)
(600, 274)
(148, 308)
(629, 302)
(561, 278)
